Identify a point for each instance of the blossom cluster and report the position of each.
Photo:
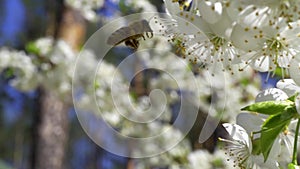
(224, 37)
(215, 96)
(122, 111)
(46, 65)
(219, 33)
(235, 35)
(248, 146)
(88, 8)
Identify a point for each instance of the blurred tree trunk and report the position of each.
(52, 132)
(52, 129)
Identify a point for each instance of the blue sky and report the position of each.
(12, 22)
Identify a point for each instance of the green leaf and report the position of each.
(278, 72)
(218, 163)
(292, 98)
(96, 85)
(32, 48)
(272, 128)
(293, 166)
(9, 73)
(134, 95)
(268, 107)
(256, 149)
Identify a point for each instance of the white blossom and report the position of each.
(86, 7)
(290, 87)
(239, 148)
(261, 13)
(269, 47)
(295, 70)
(219, 33)
(201, 40)
(21, 66)
(281, 151)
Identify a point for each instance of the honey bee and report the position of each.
(184, 4)
(131, 34)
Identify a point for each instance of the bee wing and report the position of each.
(141, 26)
(147, 27)
(135, 28)
(119, 36)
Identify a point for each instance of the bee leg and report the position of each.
(136, 43)
(143, 37)
(149, 34)
(133, 43)
(129, 43)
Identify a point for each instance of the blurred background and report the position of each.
(26, 142)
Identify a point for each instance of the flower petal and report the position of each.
(238, 133)
(172, 7)
(191, 24)
(297, 103)
(223, 27)
(295, 71)
(263, 64)
(244, 38)
(271, 94)
(250, 122)
(288, 86)
(211, 12)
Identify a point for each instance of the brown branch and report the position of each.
(52, 127)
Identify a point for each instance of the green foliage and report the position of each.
(96, 85)
(128, 8)
(218, 163)
(8, 73)
(292, 98)
(269, 107)
(281, 113)
(293, 166)
(32, 48)
(271, 128)
(256, 149)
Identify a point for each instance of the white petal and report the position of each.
(172, 7)
(200, 23)
(211, 12)
(288, 86)
(250, 122)
(237, 133)
(233, 10)
(271, 94)
(244, 38)
(223, 27)
(297, 103)
(292, 35)
(295, 71)
(249, 16)
(190, 23)
(275, 150)
(284, 61)
(260, 163)
(262, 64)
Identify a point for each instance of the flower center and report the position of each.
(217, 42)
(275, 45)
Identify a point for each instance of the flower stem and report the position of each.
(295, 143)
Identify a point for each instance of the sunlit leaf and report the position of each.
(293, 166)
(272, 128)
(32, 48)
(269, 107)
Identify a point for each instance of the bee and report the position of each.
(184, 4)
(131, 34)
